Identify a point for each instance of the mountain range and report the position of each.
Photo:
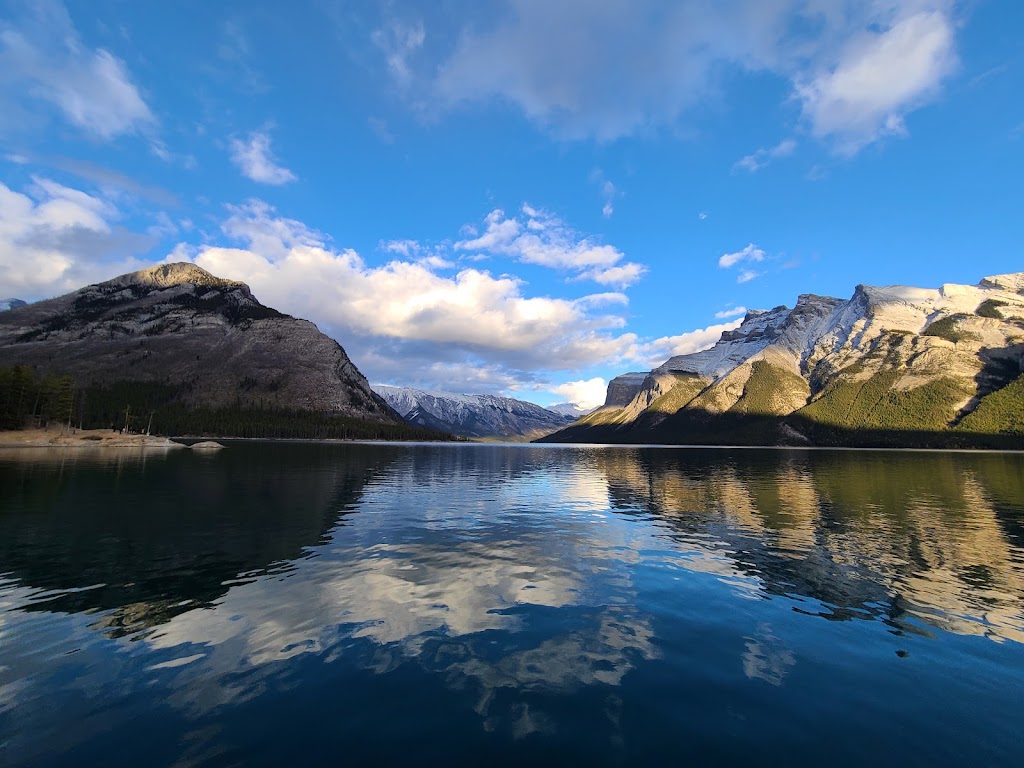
(891, 366)
(472, 415)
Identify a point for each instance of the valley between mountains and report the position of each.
(197, 354)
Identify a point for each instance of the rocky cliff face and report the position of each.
(472, 415)
(207, 339)
(885, 367)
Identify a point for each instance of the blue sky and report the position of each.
(518, 197)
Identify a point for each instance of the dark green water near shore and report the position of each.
(303, 604)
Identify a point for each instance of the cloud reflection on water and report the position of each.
(508, 574)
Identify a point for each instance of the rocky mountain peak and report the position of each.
(177, 273)
(203, 340)
(624, 387)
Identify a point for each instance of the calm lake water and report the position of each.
(290, 604)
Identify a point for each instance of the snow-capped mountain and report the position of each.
(6, 304)
(471, 415)
(571, 410)
(890, 365)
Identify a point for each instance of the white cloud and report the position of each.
(748, 254)
(880, 76)
(703, 215)
(746, 275)
(762, 157)
(401, 247)
(434, 261)
(255, 160)
(619, 276)
(431, 258)
(546, 240)
(54, 239)
(43, 57)
(586, 71)
(654, 353)
(586, 394)
(403, 311)
(731, 312)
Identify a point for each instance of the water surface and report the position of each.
(280, 604)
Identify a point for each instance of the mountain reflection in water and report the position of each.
(536, 602)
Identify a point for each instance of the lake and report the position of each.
(303, 604)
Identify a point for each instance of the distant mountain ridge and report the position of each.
(894, 365)
(471, 415)
(175, 339)
(6, 304)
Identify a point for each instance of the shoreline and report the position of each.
(103, 438)
(81, 438)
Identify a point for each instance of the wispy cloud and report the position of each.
(731, 312)
(746, 275)
(880, 76)
(255, 160)
(44, 57)
(608, 192)
(745, 257)
(762, 157)
(749, 254)
(399, 41)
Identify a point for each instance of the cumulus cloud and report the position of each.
(42, 57)
(656, 352)
(618, 68)
(586, 394)
(404, 311)
(763, 157)
(255, 160)
(749, 254)
(880, 76)
(54, 239)
(538, 237)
